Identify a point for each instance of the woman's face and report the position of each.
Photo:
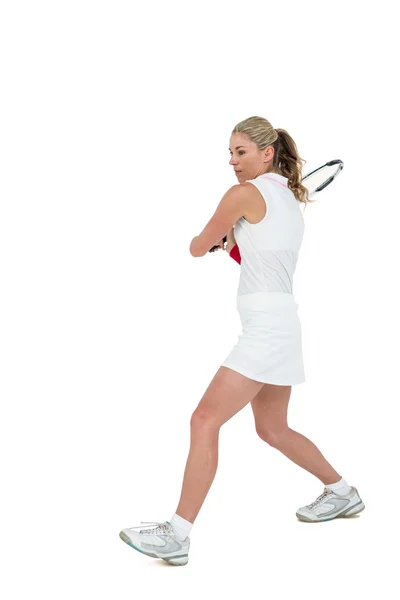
(246, 159)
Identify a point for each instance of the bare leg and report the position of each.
(305, 453)
(200, 471)
(227, 394)
(270, 417)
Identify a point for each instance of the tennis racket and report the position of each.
(316, 181)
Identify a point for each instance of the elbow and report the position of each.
(193, 250)
(195, 255)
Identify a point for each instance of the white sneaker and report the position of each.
(158, 542)
(330, 505)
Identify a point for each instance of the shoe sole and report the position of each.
(176, 560)
(350, 512)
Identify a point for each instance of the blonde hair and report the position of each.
(286, 157)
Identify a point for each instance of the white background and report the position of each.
(115, 127)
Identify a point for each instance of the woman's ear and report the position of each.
(269, 153)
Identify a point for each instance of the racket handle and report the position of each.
(234, 253)
(214, 247)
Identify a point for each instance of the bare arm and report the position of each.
(227, 213)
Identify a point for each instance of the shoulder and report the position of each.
(251, 192)
(246, 190)
(253, 206)
(240, 197)
(238, 193)
(249, 186)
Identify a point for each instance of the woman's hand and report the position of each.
(219, 246)
(230, 243)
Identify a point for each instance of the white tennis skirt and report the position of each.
(269, 349)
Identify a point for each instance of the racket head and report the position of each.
(320, 178)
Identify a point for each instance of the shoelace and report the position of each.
(325, 494)
(162, 527)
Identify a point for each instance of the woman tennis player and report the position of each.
(264, 225)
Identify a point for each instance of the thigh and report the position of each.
(228, 392)
(270, 408)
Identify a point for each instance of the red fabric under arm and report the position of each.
(235, 254)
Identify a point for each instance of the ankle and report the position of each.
(180, 526)
(340, 487)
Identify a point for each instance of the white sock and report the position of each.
(180, 526)
(341, 487)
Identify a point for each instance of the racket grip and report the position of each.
(214, 247)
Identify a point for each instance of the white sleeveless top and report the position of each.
(269, 249)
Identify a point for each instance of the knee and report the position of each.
(202, 419)
(273, 437)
